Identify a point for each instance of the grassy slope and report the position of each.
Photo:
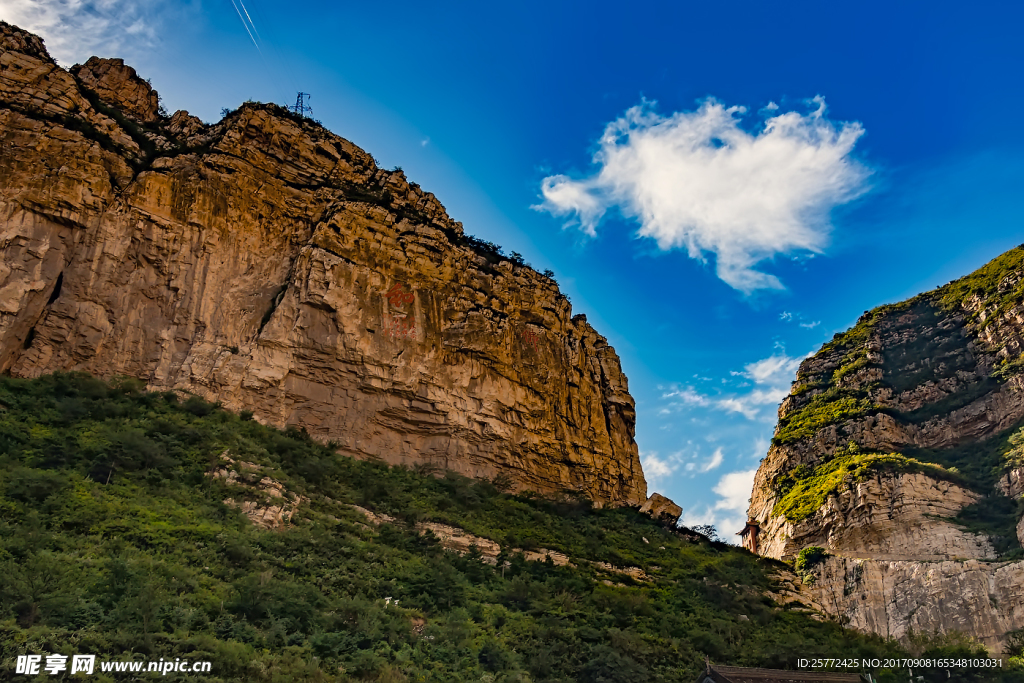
(113, 540)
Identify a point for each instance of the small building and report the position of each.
(740, 674)
(749, 535)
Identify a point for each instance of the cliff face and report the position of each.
(268, 264)
(899, 451)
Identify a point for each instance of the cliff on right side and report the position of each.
(895, 476)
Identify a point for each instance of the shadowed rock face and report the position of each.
(936, 379)
(268, 264)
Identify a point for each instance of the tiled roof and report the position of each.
(737, 674)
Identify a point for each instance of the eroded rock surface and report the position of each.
(920, 386)
(895, 598)
(119, 86)
(886, 517)
(264, 500)
(662, 509)
(268, 264)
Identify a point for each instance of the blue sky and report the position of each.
(719, 187)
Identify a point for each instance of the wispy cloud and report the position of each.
(750, 404)
(789, 317)
(734, 489)
(686, 396)
(713, 462)
(656, 469)
(659, 470)
(769, 379)
(75, 30)
(774, 370)
(699, 180)
(688, 462)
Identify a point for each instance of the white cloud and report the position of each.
(657, 469)
(655, 466)
(729, 513)
(794, 317)
(75, 30)
(701, 181)
(775, 370)
(771, 378)
(711, 463)
(749, 405)
(733, 490)
(563, 195)
(686, 396)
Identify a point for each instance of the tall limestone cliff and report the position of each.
(900, 452)
(268, 264)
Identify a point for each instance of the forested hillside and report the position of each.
(116, 540)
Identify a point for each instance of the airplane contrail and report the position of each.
(251, 22)
(257, 39)
(246, 27)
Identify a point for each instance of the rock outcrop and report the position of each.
(119, 86)
(264, 500)
(462, 542)
(268, 264)
(894, 451)
(662, 509)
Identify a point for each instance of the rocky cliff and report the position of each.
(898, 451)
(271, 265)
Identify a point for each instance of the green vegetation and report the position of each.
(958, 646)
(828, 407)
(856, 336)
(807, 560)
(985, 284)
(1007, 368)
(806, 489)
(939, 355)
(851, 364)
(1015, 646)
(115, 541)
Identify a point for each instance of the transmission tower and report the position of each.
(301, 108)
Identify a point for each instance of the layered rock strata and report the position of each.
(867, 454)
(899, 598)
(268, 264)
(888, 516)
